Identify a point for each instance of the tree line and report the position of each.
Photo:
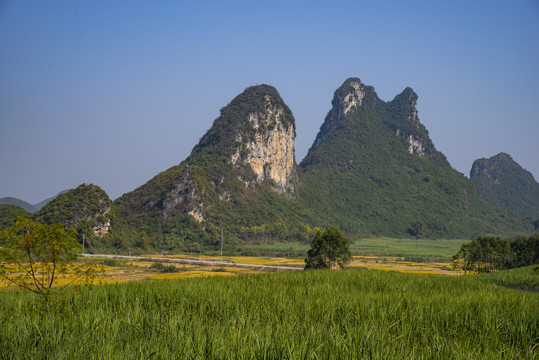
(486, 254)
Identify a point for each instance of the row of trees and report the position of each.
(486, 254)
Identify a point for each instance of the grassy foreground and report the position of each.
(304, 315)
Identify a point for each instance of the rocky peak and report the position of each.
(351, 96)
(348, 98)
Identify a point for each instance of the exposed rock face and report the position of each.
(353, 95)
(100, 221)
(492, 168)
(416, 146)
(270, 152)
(185, 197)
(101, 227)
(412, 131)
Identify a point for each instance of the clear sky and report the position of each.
(113, 92)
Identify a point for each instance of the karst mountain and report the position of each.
(371, 170)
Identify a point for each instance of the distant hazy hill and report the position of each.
(18, 202)
(27, 206)
(374, 169)
(40, 204)
(502, 181)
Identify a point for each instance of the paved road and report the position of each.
(195, 262)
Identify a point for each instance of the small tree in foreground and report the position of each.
(329, 250)
(32, 256)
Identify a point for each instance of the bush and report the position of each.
(170, 269)
(157, 266)
(164, 269)
(112, 262)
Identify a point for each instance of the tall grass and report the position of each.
(526, 278)
(307, 315)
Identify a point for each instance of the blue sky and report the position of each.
(113, 92)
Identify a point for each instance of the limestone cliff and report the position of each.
(270, 152)
(249, 148)
(372, 169)
(184, 196)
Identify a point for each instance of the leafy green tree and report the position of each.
(33, 256)
(329, 250)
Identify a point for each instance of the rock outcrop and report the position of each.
(351, 96)
(270, 152)
(184, 196)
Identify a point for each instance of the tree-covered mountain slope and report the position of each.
(373, 169)
(241, 174)
(502, 181)
(86, 208)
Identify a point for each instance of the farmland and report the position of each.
(314, 314)
(384, 305)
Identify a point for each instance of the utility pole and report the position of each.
(221, 244)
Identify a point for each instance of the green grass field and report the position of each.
(415, 249)
(411, 248)
(526, 278)
(304, 315)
